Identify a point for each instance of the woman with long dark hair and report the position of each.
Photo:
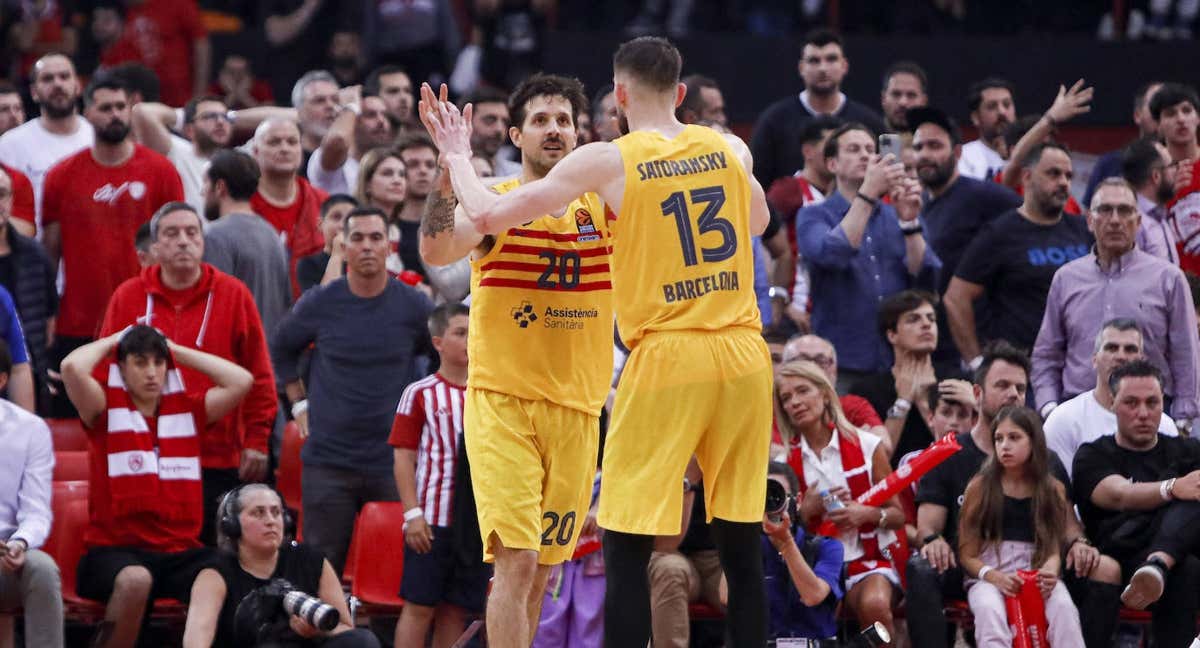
(1013, 518)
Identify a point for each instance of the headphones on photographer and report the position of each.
(231, 525)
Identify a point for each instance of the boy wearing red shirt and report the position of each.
(144, 496)
(200, 307)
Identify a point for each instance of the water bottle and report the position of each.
(831, 501)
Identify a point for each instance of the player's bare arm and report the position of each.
(593, 168)
(760, 216)
(447, 234)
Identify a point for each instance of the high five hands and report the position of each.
(449, 128)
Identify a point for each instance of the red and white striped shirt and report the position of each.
(429, 420)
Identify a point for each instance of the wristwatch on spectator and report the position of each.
(1047, 408)
(899, 409)
(973, 364)
(1184, 425)
(930, 538)
(780, 293)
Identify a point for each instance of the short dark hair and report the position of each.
(906, 67)
(170, 208)
(142, 240)
(820, 37)
(894, 306)
(335, 200)
(486, 96)
(540, 85)
(1000, 350)
(1035, 154)
(8, 88)
(1139, 96)
(598, 98)
(138, 78)
(238, 170)
(414, 140)
(439, 319)
(975, 91)
(933, 396)
(652, 60)
(142, 340)
(831, 144)
(783, 470)
(918, 116)
(692, 101)
(1139, 160)
(1171, 94)
(363, 212)
(1133, 369)
(189, 108)
(6, 361)
(371, 85)
(105, 80)
(814, 130)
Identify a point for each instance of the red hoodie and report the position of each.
(218, 316)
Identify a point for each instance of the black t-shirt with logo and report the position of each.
(1015, 260)
(946, 483)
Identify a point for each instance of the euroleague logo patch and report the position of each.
(587, 229)
(524, 315)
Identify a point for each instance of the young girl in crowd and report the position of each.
(829, 454)
(1013, 516)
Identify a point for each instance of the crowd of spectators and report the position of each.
(214, 256)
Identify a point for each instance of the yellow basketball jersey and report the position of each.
(541, 309)
(682, 249)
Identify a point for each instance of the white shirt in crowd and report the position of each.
(26, 467)
(979, 161)
(825, 472)
(338, 181)
(1083, 419)
(191, 168)
(32, 150)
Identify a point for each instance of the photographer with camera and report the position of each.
(266, 590)
(803, 572)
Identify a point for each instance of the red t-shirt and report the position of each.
(99, 210)
(161, 35)
(22, 195)
(147, 531)
(1185, 212)
(297, 224)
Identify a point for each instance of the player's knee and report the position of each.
(133, 582)
(514, 565)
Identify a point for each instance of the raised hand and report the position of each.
(1070, 102)
(449, 128)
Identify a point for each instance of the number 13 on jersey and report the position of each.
(710, 199)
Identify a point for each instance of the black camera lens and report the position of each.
(777, 498)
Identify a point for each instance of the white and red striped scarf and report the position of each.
(157, 473)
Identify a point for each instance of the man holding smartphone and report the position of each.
(860, 249)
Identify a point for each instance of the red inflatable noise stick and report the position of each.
(1027, 613)
(409, 277)
(905, 475)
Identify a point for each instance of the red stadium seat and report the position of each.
(287, 475)
(379, 537)
(70, 519)
(70, 465)
(68, 434)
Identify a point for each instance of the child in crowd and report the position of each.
(1013, 516)
(441, 587)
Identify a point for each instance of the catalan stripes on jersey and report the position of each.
(429, 419)
(541, 309)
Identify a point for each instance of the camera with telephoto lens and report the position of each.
(778, 501)
(262, 616)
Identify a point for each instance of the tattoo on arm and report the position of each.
(438, 216)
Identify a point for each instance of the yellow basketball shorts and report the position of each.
(532, 469)
(685, 393)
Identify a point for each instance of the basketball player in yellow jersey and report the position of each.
(698, 380)
(540, 358)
